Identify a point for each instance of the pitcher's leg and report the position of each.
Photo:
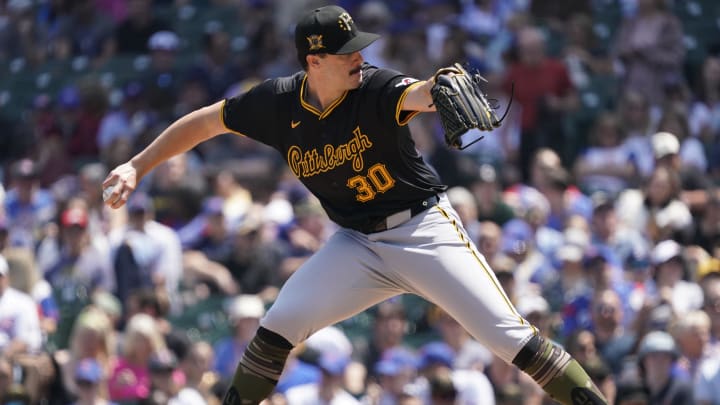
(440, 264)
(558, 373)
(334, 284)
(259, 369)
(443, 266)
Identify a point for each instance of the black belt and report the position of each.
(403, 216)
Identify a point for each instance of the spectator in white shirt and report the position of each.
(672, 278)
(146, 247)
(605, 166)
(19, 321)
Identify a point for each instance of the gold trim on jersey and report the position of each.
(222, 119)
(485, 268)
(398, 107)
(311, 108)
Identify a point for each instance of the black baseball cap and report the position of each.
(330, 29)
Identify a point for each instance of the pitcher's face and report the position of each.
(342, 71)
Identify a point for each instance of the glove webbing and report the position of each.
(462, 98)
(453, 128)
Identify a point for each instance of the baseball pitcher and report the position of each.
(341, 125)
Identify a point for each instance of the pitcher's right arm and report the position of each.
(181, 136)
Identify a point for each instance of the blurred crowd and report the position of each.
(596, 203)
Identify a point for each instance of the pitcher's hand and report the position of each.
(119, 184)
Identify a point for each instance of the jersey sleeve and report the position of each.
(251, 113)
(391, 88)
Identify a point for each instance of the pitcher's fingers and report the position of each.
(110, 180)
(111, 194)
(123, 198)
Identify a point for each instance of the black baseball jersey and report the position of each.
(357, 156)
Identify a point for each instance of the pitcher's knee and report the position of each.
(291, 326)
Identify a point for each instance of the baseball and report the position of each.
(107, 191)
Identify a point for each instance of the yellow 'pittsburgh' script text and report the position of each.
(311, 162)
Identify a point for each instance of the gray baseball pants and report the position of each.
(429, 255)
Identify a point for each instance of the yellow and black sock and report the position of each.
(259, 369)
(558, 373)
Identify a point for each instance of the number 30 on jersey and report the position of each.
(377, 180)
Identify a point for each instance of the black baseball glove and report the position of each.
(462, 105)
